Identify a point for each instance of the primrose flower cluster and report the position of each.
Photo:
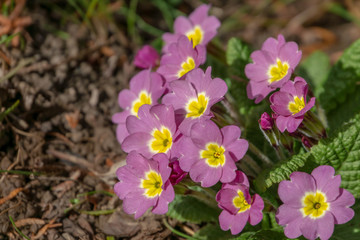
(273, 68)
(167, 130)
(312, 203)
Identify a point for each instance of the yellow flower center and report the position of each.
(213, 155)
(144, 98)
(196, 107)
(186, 66)
(240, 202)
(196, 35)
(162, 140)
(314, 205)
(277, 71)
(152, 184)
(297, 105)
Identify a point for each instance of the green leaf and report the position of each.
(9, 110)
(342, 79)
(237, 56)
(6, 39)
(280, 171)
(262, 235)
(188, 208)
(343, 153)
(212, 232)
(345, 111)
(315, 70)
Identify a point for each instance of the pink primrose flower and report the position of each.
(146, 87)
(238, 205)
(210, 153)
(181, 59)
(290, 104)
(193, 97)
(199, 28)
(144, 183)
(152, 131)
(313, 204)
(272, 67)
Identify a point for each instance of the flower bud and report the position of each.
(177, 174)
(146, 57)
(266, 122)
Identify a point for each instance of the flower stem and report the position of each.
(176, 231)
(259, 154)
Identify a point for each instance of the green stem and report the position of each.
(228, 103)
(98, 212)
(131, 19)
(176, 231)
(259, 154)
(18, 230)
(21, 172)
(204, 198)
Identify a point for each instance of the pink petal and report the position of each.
(340, 208)
(256, 210)
(226, 220)
(204, 132)
(239, 222)
(291, 192)
(182, 25)
(199, 14)
(326, 182)
(126, 97)
(309, 228)
(228, 171)
(325, 226)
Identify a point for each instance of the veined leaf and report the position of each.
(237, 56)
(342, 79)
(280, 171)
(212, 232)
(343, 153)
(315, 70)
(345, 111)
(188, 208)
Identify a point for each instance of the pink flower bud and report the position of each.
(266, 122)
(177, 174)
(146, 57)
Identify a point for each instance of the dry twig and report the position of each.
(12, 194)
(29, 221)
(43, 230)
(15, 23)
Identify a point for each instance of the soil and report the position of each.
(61, 136)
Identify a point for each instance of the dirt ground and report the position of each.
(59, 145)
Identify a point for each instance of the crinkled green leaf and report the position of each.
(262, 235)
(315, 70)
(187, 208)
(345, 111)
(212, 232)
(343, 153)
(237, 56)
(280, 171)
(342, 78)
